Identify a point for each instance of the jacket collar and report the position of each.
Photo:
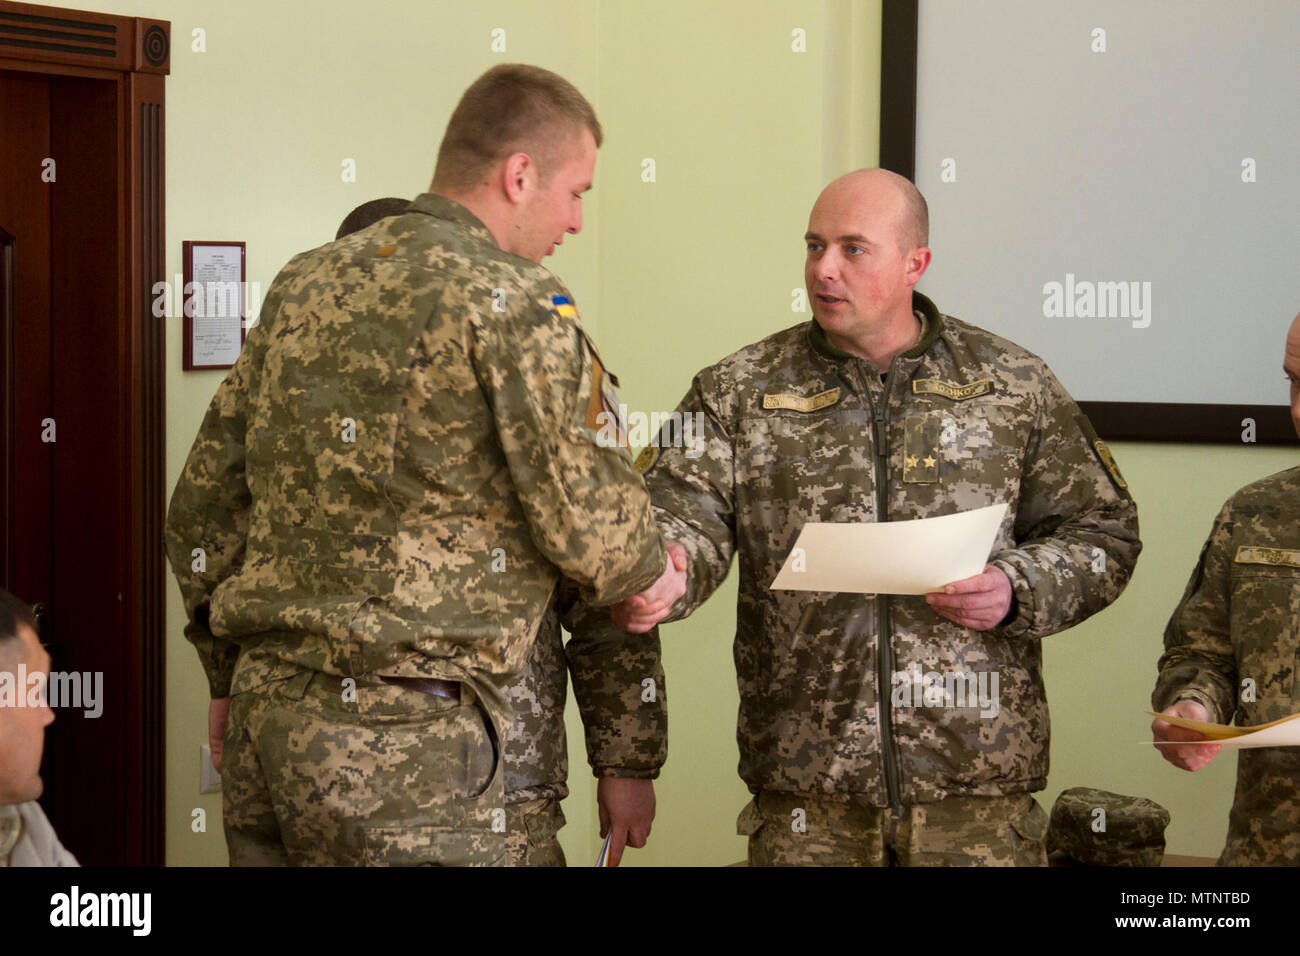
(931, 319)
(443, 208)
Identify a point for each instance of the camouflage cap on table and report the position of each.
(1101, 828)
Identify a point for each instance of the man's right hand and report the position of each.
(1190, 757)
(643, 611)
(218, 714)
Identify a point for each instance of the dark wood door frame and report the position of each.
(133, 54)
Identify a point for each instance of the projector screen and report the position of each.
(1115, 185)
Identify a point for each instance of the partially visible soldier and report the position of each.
(369, 213)
(385, 491)
(624, 718)
(884, 409)
(1239, 619)
(26, 836)
(618, 683)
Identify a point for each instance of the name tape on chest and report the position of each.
(800, 403)
(958, 393)
(1277, 557)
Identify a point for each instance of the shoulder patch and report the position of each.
(646, 460)
(799, 403)
(958, 393)
(1277, 557)
(564, 305)
(1103, 453)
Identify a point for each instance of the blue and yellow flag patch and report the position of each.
(564, 305)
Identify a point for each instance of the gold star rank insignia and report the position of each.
(929, 461)
(910, 461)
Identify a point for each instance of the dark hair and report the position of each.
(512, 108)
(369, 213)
(13, 613)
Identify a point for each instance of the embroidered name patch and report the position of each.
(958, 393)
(1246, 554)
(799, 403)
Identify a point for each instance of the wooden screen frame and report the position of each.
(1114, 421)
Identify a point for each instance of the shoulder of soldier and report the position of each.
(776, 357)
(1276, 492)
(978, 353)
(451, 250)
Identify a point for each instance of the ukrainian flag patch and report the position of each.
(564, 305)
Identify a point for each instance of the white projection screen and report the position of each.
(1115, 185)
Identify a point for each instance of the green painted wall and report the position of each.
(670, 275)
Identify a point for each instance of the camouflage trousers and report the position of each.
(532, 833)
(393, 777)
(804, 829)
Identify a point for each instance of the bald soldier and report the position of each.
(385, 491)
(1232, 654)
(890, 729)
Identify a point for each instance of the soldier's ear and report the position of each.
(519, 174)
(918, 260)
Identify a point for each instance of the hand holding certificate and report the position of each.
(1284, 732)
(891, 557)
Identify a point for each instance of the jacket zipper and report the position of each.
(884, 649)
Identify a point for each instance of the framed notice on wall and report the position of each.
(214, 304)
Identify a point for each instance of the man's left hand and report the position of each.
(979, 602)
(627, 806)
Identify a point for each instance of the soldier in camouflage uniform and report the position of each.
(625, 720)
(1237, 622)
(884, 409)
(385, 491)
(619, 685)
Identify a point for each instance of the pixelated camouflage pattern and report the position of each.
(625, 721)
(618, 682)
(1240, 618)
(532, 833)
(807, 662)
(1134, 833)
(468, 392)
(849, 831)
(393, 777)
(536, 748)
(11, 831)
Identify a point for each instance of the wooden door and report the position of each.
(81, 409)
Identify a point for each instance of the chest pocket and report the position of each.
(804, 458)
(1264, 613)
(979, 440)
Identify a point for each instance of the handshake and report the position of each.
(643, 611)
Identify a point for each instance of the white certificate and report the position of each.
(1278, 733)
(891, 557)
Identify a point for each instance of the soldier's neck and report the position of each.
(881, 348)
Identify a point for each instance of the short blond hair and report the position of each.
(512, 108)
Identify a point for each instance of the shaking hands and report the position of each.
(643, 611)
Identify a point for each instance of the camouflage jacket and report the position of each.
(618, 682)
(1239, 621)
(794, 430)
(401, 464)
